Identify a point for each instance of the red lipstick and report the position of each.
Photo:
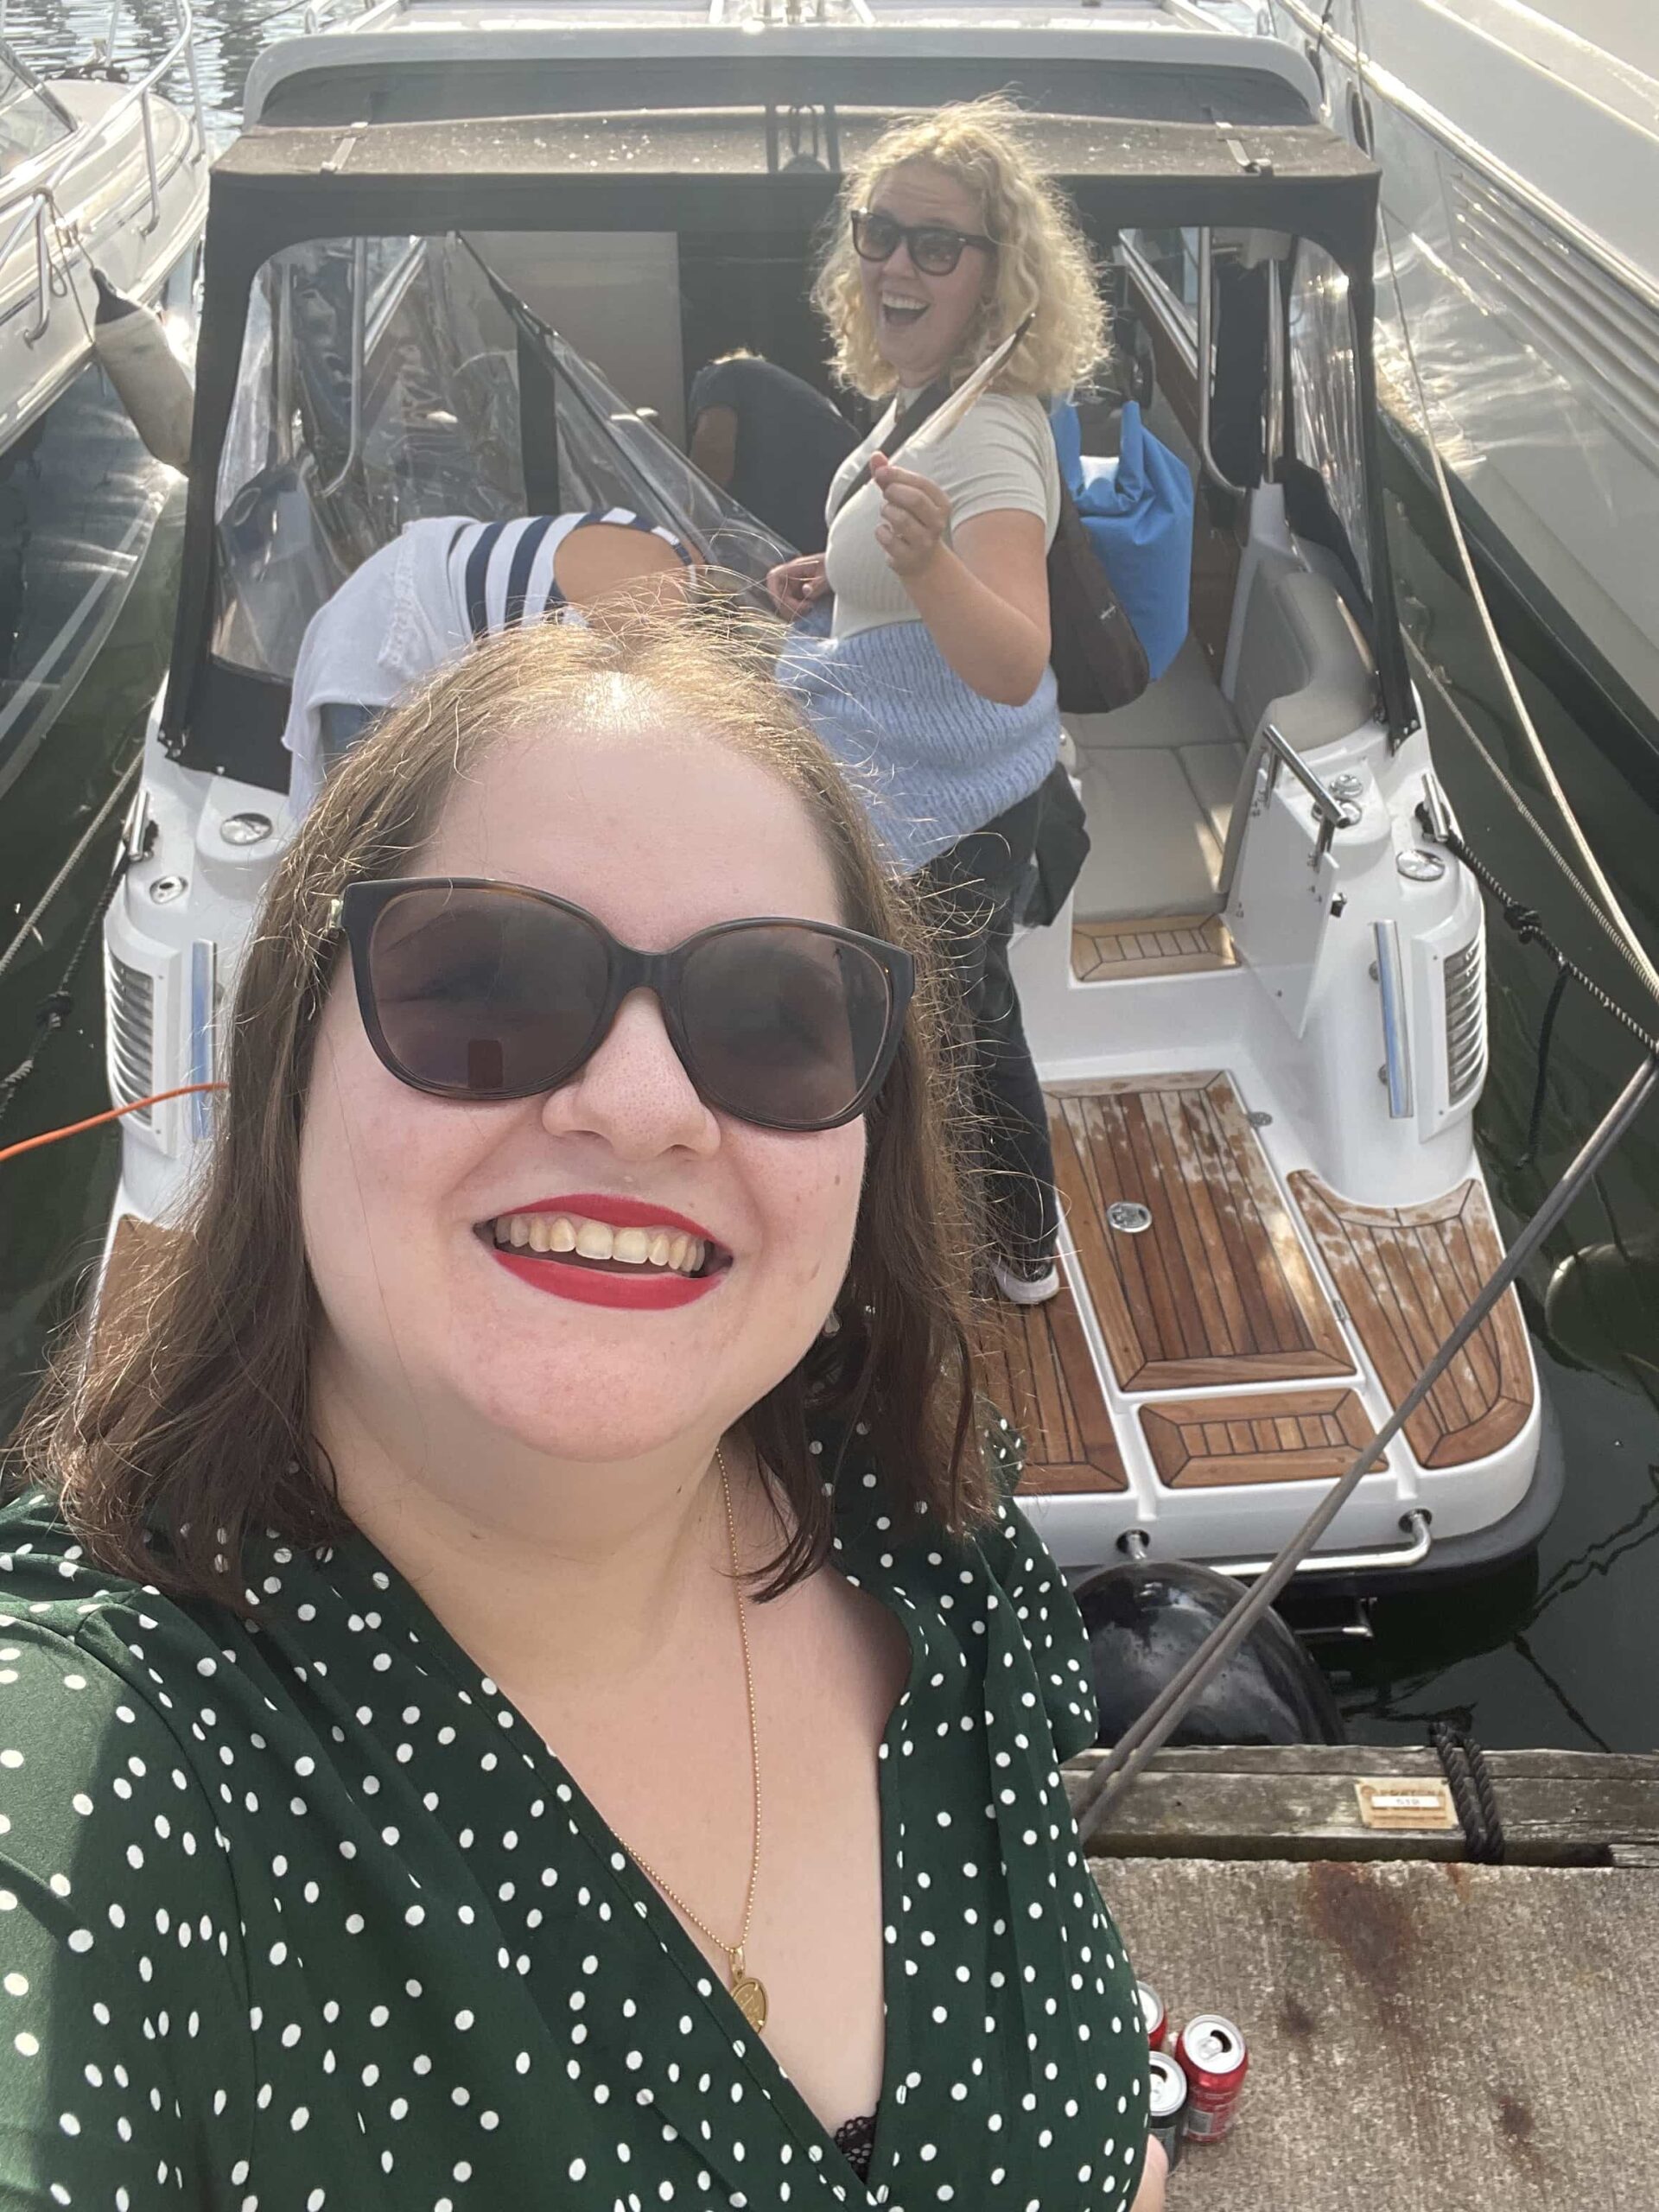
(635, 1292)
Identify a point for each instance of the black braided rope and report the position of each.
(1525, 922)
(1469, 1778)
(1541, 1085)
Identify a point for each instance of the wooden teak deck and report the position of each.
(1218, 1289)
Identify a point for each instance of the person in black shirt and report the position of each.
(769, 439)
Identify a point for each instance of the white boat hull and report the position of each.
(1519, 171)
(79, 493)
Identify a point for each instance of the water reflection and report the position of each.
(57, 34)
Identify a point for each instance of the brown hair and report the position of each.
(1043, 268)
(183, 1422)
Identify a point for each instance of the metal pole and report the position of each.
(1118, 1770)
(149, 122)
(42, 275)
(188, 32)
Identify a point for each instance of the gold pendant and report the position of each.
(750, 1998)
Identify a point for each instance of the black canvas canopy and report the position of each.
(699, 142)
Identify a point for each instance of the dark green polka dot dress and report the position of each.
(305, 1916)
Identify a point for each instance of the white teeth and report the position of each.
(598, 1240)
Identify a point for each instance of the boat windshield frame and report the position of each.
(687, 167)
(12, 183)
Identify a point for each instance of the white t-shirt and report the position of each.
(1000, 456)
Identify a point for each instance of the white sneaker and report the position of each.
(1025, 1290)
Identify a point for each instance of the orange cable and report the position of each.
(97, 1120)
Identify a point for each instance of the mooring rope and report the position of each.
(1470, 1780)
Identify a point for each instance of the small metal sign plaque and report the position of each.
(1403, 1801)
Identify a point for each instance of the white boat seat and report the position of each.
(1158, 823)
(1158, 782)
(1160, 777)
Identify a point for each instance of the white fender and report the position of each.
(154, 386)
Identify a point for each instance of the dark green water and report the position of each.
(1562, 1651)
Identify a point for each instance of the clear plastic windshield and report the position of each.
(31, 123)
(388, 379)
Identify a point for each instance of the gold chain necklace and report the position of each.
(748, 1993)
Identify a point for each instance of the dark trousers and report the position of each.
(967, 894)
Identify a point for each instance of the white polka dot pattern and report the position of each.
(303, 1914)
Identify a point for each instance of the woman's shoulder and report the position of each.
(84, 1647)
(1001, 453)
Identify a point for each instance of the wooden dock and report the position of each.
(1426, 2035)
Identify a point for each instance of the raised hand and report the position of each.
(915, 514)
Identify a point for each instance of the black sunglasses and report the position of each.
(483, 991)
(934, 247)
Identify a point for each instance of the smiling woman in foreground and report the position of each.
(497, 1705)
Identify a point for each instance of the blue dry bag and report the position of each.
(1138, 511)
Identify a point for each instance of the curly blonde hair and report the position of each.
(1043, 264)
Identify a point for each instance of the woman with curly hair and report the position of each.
(921, 650)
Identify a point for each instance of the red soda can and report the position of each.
(1213, 2057)
(1152, 2012)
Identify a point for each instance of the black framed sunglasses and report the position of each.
(478, 990)
(934, 247)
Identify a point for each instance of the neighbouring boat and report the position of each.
(96, 169)
(1519, 145)
(1261, 1017)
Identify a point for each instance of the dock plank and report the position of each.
(1299, 1801)
(1424, 2037)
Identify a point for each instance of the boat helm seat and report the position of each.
(1161, 777)
(1158, 780)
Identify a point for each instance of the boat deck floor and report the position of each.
(1216, 1284)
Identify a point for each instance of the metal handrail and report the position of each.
(1137, 1543)
(1410, 1555)
(38, 205)
(1396, 1046)
(1334, 813)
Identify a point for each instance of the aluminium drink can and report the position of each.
(1152, 2013)
(1213, 2056)
(1169, 2102)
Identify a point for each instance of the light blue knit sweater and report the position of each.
(930, 757)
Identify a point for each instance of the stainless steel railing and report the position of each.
(35, 207)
